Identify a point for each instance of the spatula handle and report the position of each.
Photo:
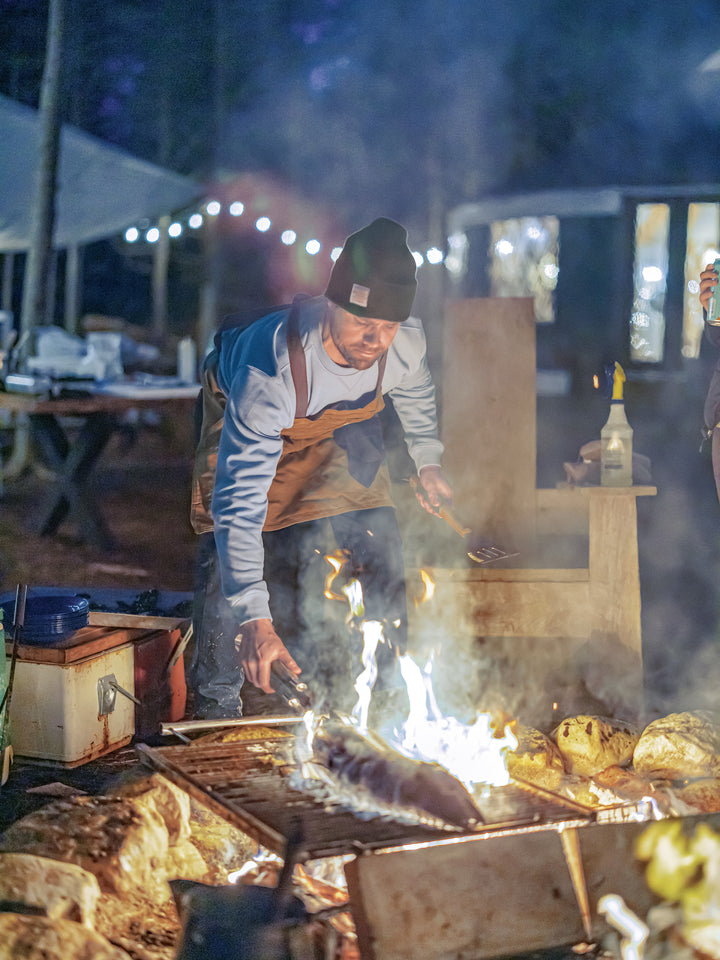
(442, 511)
(448, 517)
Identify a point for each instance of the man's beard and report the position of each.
(355, 360)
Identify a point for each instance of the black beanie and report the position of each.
(374, 276)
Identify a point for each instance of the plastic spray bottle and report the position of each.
(616, 439)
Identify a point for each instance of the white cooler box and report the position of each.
(65, 703)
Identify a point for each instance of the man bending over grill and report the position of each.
(290, 467)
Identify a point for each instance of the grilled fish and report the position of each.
(370, 763)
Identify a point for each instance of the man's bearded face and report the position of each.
(359, 340)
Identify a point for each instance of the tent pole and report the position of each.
(73, 267)
(161, 258)
(51, 288)
(8, 274)
(34, 295)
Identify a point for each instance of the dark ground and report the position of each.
(143, 487)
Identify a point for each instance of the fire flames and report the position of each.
(473, 753)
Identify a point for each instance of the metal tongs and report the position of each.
(294, 691)
(480, 549)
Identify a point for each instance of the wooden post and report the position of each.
(489, 416)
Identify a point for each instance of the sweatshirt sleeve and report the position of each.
(258, 408)
(414, 397)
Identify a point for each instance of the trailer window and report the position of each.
(703, 232)
(523, 259)
(647, 323)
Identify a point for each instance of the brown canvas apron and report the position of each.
(314, 477)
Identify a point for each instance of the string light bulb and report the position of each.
(212, 208)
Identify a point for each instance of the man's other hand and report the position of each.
(258, 647)
(708, 279)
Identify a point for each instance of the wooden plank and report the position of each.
(493, 896)
(477, 898)
(137, 621)
(517, 609)
(614, 571)
(482, 574)
(489, 419)
(92, 403)
(87, 642)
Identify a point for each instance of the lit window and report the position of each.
(647, 321)
(524, 261)
(456, 259)
(703, 231)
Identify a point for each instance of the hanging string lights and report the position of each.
(194, 219)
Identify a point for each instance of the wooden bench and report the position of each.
(571, 634)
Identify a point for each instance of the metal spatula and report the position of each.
(480, 549)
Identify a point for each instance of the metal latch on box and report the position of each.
(108, 689)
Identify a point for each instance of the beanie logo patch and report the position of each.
(359, 295)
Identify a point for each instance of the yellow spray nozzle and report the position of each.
(618, 381)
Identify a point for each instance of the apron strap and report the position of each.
(381, 373)
(296, 356)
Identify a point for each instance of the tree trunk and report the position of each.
(34, 299)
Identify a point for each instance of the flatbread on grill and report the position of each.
(701, 795)
(625, 782)
(680, 746)
(536, 759)
(591, 744)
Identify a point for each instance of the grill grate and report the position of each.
(248, 783)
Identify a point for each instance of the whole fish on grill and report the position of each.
(369, 763)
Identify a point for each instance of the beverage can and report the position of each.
(713, 313)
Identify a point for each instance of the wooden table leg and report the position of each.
(72, 465)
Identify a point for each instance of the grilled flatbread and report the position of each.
(591, 744)
(680, 746)
(623, 781)
(536, 759)
(701, 795)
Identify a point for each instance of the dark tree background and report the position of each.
(405, 107)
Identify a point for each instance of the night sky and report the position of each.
(404, 107)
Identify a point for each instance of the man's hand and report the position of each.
(708, 279)
(433, 489)
(258, 646)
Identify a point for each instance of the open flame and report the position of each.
(473, 753)
(372, 635)
(428, 588)
(336, 561)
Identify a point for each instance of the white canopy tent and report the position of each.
(101, 191)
